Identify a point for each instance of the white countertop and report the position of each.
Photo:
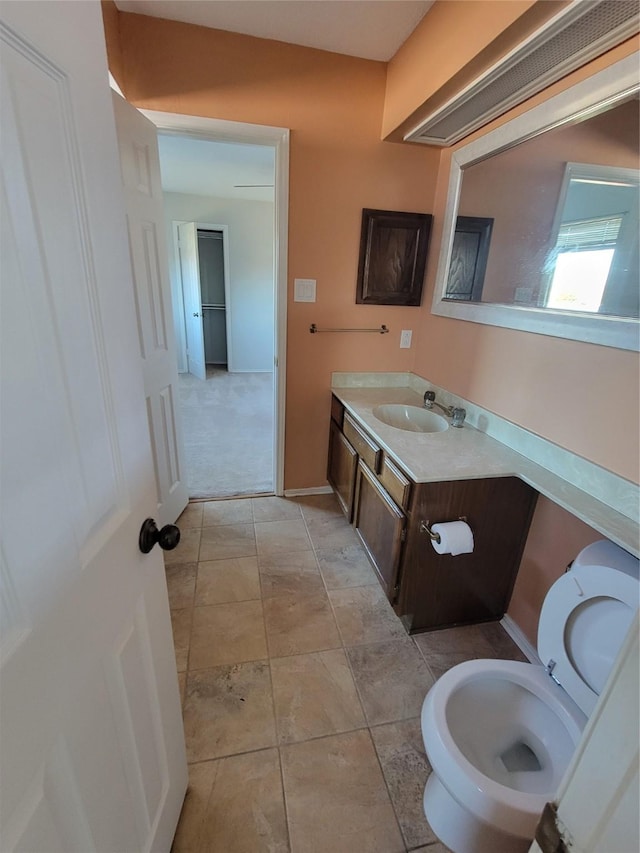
(467, 453)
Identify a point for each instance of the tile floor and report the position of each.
(301, 690)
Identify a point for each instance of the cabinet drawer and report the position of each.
(367, 450)
(337, 410)
(395, 482)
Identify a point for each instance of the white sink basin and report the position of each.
(411, 418)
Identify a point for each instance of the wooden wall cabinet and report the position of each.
(429, 590)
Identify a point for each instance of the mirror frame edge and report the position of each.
(610, 84)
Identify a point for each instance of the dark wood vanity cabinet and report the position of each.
(371, 491)
(429, 590)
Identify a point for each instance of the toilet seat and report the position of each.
(585, 617)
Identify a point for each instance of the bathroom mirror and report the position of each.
(560, 187)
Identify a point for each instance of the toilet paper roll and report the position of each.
(456, 537)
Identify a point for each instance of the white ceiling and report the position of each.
(200, 167)
(371, 29)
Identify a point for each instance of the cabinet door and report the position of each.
(341, 468)
(380, 525)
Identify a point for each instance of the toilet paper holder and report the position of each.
(424, 528)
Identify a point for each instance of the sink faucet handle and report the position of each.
(457, 416)
(429, 397)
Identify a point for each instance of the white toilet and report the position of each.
(499, 734)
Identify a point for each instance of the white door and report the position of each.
(91, 745)
(138, 144)
(190, 271)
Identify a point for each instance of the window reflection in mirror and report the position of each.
(563, 208)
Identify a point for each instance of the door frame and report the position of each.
(221, 130)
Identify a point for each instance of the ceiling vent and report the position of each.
(584, 30)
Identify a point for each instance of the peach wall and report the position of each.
(111, 22)
(338, 165)
(455, 42)
(555, 539)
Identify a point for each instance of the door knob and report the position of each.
(167, 538)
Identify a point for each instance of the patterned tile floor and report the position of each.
(301, 690)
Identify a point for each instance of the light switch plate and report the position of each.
(304, 290)
(405, 339)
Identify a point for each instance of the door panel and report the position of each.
(53, 796)
(140, 166)
(134, 698)
(81, 602)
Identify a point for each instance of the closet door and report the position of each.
(190, 270)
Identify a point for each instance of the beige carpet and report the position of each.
(227, 422)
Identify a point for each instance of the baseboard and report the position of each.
(315, 490)
(519, 639)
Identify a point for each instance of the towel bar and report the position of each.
(383, 330)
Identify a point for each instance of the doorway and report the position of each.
(247, 390)
(226, 386)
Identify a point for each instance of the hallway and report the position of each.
(227, 424)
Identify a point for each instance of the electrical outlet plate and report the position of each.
(405, 339)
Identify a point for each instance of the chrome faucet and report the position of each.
(456, 413)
